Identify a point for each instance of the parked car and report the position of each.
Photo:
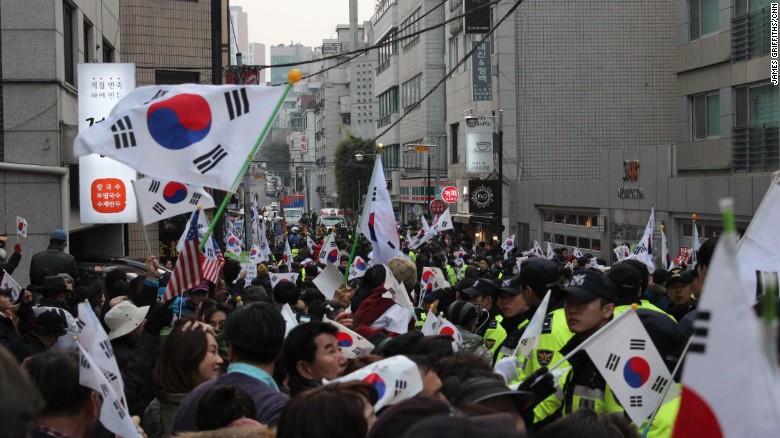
(93, 267)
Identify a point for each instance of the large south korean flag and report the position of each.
(193, 134)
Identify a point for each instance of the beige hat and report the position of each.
(404, 270)
(124, 318)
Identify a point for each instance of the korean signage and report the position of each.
(477, 21)
(105, 186)
(631, 175)
(479, 144)
(481, 72)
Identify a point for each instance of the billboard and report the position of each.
(479, 144)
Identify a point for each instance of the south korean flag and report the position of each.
(628, 360)
(159, 199)
(193, 134)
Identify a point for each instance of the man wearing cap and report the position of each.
(537, 276)
(53, 260)
(589, 305)
(482, 294)
(48, 326)
(628, 286)
(55, 297)
(678, 288)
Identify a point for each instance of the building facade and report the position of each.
(238, 34)
(293, 53)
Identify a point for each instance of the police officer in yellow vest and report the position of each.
(482, 294)
(628, 286)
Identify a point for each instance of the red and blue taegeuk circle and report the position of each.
(636, 372)
(180, 121)
(333, 256)
(344, 339)
(174, 192)
(378, 383)
(361, 265)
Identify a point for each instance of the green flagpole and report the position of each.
(354, 247)
(293, 76)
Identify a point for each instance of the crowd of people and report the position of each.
(221, 361)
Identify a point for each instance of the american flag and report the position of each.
(187, 272)
(211, 268)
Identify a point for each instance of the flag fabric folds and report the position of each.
(395, 379)
(287, 257)
(21, 226)
(202, 223)
(508, 245)
(213, 261)
(187, 272)
(736, 398)
(550, 252)
(665, 260)
(351, 344)
(8, 282)
(759, 248)
(206, 130)
(533, 331)
(329, 253)
(644, 250)
(628, 360)
(159, 199)
(378, 220)
(442, 223)
(537, 250)
(276, 278)
(358, 268)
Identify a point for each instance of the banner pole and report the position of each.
(354, 247)
(294, 76)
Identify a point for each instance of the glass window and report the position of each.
(559, 239)
(68, 17)
(706, 116)
(454, 154)
(559, 218)
(584, 243)
(571, 219)
(583, 220)
(571, 240)
(108, 52)
(453, 52)
(548, 216)
(87, 41)
(704, 18)
(595, 244)
(547, 237)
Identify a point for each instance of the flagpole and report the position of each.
(666, 390)
(354, 247)
(293, 77)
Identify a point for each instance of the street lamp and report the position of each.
(498, 139)
(413, 147)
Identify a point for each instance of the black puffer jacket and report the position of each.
(52, 261)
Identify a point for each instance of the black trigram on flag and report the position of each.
(85, 363)
(80, 324)
(700, 331)
(237, 103)
(638, 344)
(119, 410)
(157, 95)
(400, 385)
(109, 376)
(636, 401)
(154, 186)
(660, 384)
(195, 199)
(210, 159)
(612, 362)
(159, 208)
(107, 350)
(123, 133)
(104, 390)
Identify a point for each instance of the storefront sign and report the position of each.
(477, 21)
(483, 196)
(106, 192)
(481, 72)
(631, 174)
(631, 193)
(479, 144)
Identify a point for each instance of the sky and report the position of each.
(272, 22)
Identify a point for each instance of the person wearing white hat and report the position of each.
(126, 322)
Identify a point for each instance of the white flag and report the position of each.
(759, 248)
(533, 331)
(8, 282)
(21, 226)
(695, 245)
(664, 250)
(329, 253)
(395, 379)
(628, 360)
(265, 249)
(255, 255)
(737, 398)
(538, 250)
(233, 244)
(425, 226)
(358, 268)
(550, 252)
(576, 252)
(287, 257)
(311, 244)
(378, 220)
(509, 244)
(429, 282)
(159, 199)
(113, 411)
(290, 320)
(256, 219)
(206, 130)
(443, 223)
(396, 291)
(277, 277)
(351, 344)
(203, 225)
(328, 281)
(447, 328)
(644, 250)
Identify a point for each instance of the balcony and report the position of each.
(750, 35)
(756, 148)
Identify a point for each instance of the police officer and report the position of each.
(628, 287)
(483, 295)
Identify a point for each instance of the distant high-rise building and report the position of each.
(238, 33)
(256, 56)
(282, 54)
